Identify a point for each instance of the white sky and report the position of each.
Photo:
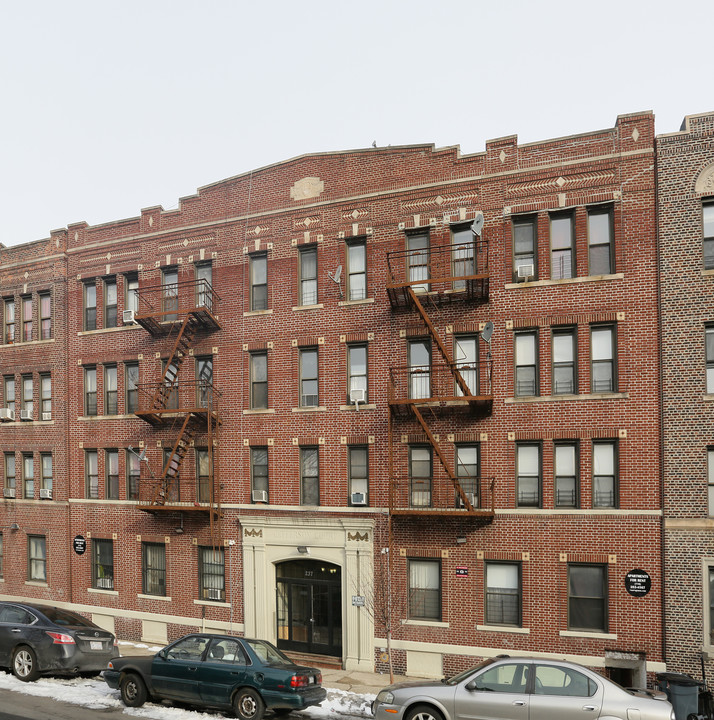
(108, 106)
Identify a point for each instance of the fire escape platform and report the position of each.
(441, 292)
(199, 416)
(445, 513)
(475, 404)
(157, 324)
(196, 509)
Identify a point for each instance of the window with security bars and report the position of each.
(602, 365)
(153, 568)
(562, 247)
(526, 353)
(605, 480)
(102, 564)
(587, 597)
(212, 574)
(565, 463)
(564, 365)
(708, 233)
(37, 558)
(503, 594)
(425, 589)
(259, 282)
(528, 469)
(308, 276)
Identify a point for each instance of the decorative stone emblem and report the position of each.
(309, 187)
(358, 536)
(705, 181)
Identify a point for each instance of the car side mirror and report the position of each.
(471, 685)
(161, 654)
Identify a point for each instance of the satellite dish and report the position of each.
(487, 332)
(477, 225)
(338, 274)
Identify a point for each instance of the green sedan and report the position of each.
(218, 671)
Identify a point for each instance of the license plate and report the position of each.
(95, 645)
(311, 680)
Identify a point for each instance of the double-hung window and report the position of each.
(212, 573)
(28, 475)
(26, 318)
(466, 359)
(526, 354)
(587, 597)
(356, 270)
(425, 589)
(9, 320)
(503, 594)
(10, 480)
(9, 386)
(27, 402)
(710, 593)
(467, 472)
(418, 261)
(37, 558)
(309, 394)
(90, 305)
(309, 476)
(600, 244)
(524, 249)
(45, 316)
(153, 568)
(91, 474)
(133, 473)
(111, 471)
(203, 475)
(259, 380)
(357, 374)
(131, 386)
(110, 302)
(204, 384)
(204, 285)
(710, 481)
(709, 346)
(708, 232)
(308, 276)
(462, 255)
(259, 282)
(111, 406)
(102, 564)
(90, 391)
(47, 482)
(562, 247)
(565, 464)
(170, 294)
(419, 360)
(528, 471)
(420, 475)
(131, 292)
(259, 474)
(564, 354)
(46, 397)
(172, 469)
(602, 345)
(359, 474)
(605, 480)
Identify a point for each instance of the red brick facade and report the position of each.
(378, 198)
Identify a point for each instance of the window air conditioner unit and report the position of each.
(45, 494)
(7, 414)
(260, 496)
(525, 271)
(47, 416)
(8, 492)
(358, 498)
(473, 499)
(25, 414)
(357, 396)
(128, 317)
(213, 594)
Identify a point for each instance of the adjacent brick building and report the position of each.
(389, 390)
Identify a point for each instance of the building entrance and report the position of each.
(309, 607)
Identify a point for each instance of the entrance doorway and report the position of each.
(309, 604)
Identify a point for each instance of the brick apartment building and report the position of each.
(685, 177)
(395, 389)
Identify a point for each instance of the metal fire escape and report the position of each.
(425, 280)
(181, 410)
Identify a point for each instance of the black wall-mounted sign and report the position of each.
(638, 583)
(79, 544)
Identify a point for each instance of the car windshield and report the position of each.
(456, 679)
(267, 653)
(65, 617)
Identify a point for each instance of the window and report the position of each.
(359, 474)
(420, 470)
(564, 381)
(600, 241)
(709, 345)
(171, 393)
(212, 573)
(710, 478)
(308, 378)
(602, 342)
(27, 404)
(91, 474)
(524, 249)
(169, 296)
(45, 316)
(28, 476)
(562, 251)
(133, 473)
(552, 680)
(587, 597)
(204, 285)
(708, 228)
(110, 302)
(503, 594)
(2, 552)
(204, 382)
(259, 282)
(566, 474)
(131, 292)
(356, 270)
(111, 470)
(711, 605)
(259, 380)
(90, 391)
(425, 589)
(605, 479)
(102, 564)
(259, 473)
(203, 475)
(466, 359)
(131, 386)
(111, 404)
(172, 468)
(418, 261)
(10, 471)
(153, 568)
(37, 558)
(46, 397)
(308, 276)
(467, 472)
(528, 475)
(26, 318)
(462, 255)
(419, 361)
(90, 305)
(526, 363)
(46, 467)
(309, 476)
(9, 321)
(9, 384)
(506, 678)
(357, 384)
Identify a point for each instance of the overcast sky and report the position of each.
(108, 106)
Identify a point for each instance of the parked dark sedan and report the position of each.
(218, 671)
(38, 639)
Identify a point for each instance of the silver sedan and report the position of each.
(510, 688)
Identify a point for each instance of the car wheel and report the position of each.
(24, 664)
(423, 712)
(248, 705)
(133, 690)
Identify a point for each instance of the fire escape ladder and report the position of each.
(175, 459)
(449, 471)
